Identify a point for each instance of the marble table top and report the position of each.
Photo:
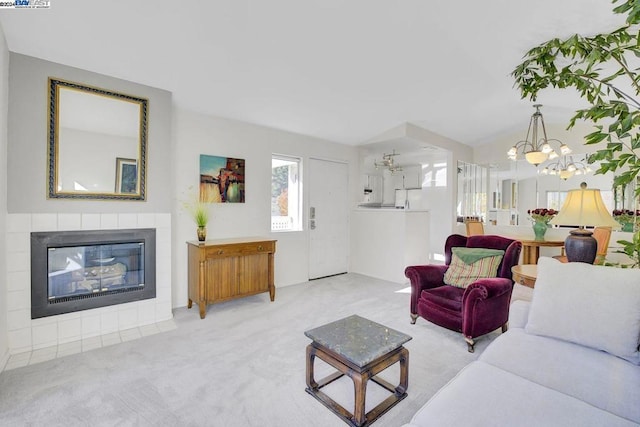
(357, 339)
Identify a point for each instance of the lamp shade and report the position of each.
(584, 207)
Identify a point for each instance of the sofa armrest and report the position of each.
(485, 306)
(424, 277)
(488, 288)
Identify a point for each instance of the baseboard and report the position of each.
(4, 359)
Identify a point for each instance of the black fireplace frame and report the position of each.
(42, 241)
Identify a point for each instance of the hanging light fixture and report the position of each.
(566, 167)
(388, 162)
(537, 149)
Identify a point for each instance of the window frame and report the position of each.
(297, 223)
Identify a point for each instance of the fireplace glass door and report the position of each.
(87, 271)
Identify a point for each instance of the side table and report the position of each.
(525, 274)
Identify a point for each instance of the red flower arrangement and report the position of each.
(542, 214)
(624, 215)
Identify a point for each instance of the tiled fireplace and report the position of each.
(79, 270)
(26, 334)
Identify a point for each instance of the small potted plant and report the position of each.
(200, 213)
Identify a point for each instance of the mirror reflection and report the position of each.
(502, 193)
(97, 143)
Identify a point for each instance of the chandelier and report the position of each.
(537, 149)
(566, 167)
(388, 162)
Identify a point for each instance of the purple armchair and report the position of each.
(480, 308)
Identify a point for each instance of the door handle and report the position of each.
(312, 224)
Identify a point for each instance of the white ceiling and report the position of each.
(342, 70)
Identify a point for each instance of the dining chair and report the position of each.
(474, 227)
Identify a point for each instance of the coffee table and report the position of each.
(360, 349)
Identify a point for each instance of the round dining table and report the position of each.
(531, 249)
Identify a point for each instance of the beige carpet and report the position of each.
(243, 365)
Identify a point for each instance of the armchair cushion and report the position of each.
(594, 306)
(470, 264)
(447, 297)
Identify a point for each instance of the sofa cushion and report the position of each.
(470, 264)
(596, 377)
(591, 305)
(483, 395)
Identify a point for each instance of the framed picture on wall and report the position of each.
(221, 179)
(126, 175)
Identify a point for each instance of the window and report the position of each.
(286, 199)
(555, 199)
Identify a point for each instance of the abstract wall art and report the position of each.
(221, 179)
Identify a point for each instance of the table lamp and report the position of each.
(581, 208)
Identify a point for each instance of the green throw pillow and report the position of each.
(470, 264)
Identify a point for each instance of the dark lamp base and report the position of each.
(580, 246)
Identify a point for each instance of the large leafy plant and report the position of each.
(603, 69)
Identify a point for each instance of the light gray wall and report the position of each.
(28, 142)
(4, 102)
(197, 134)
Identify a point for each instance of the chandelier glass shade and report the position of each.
(566, 167)
(536, 147)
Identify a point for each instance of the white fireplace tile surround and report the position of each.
(19, 360)
(26, 334)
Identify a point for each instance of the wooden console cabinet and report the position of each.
(225, 269)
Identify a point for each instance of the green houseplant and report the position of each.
(598, 67)
(200, 214)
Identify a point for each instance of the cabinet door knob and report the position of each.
(220, 251)
(260, 247)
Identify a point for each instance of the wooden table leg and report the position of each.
(311, 355)
(360, 393)
(404, 372)
(530, 254)
(271, 284)
(202, 303)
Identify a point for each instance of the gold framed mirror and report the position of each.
(97, 143)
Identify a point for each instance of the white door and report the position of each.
(328, 218)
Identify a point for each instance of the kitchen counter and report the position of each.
(386, 240)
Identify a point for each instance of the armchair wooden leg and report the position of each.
(470, 344)
(505, 327)
(414, 317)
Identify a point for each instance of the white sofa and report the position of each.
(570, 358)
